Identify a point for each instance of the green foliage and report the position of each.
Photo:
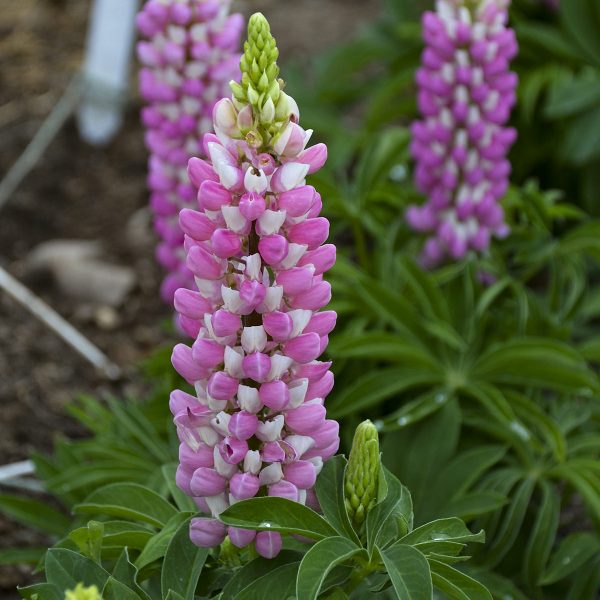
(166, 565)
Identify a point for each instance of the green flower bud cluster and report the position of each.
(362, 473)
(260, 86)
(83, 593)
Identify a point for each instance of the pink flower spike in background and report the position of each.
(189, 53)
(256, 247)
(466, 93)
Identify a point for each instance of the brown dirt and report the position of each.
(82, 192)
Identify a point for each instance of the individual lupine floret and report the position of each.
(362, 473)
(257, 423)
(190, 54)
(466, 92)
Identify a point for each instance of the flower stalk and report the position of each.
(257, 423)
(466, 93)
(189, 54)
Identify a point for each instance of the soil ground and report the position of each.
(80, 192)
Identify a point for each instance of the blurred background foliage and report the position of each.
(483, 375)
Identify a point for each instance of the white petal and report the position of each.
(254, 267)
(257, 183)
(269, 431)
(295, 253)
(252, 462)
(293, 175)
(272, 300)
(271, 221)
(216, 405)
(209, 436)
(300, 318)
(271, 474)
(221, 467)
(231, 299)
(279, 365)
(217, 504)
(297, 390)
(317, 461)
(234, 218)
(254, 339)
(220, 423)
(300, 443)
(233, 361)
(248, 399)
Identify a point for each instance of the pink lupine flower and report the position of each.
(189, 54)
(466, 92)
(256, 246)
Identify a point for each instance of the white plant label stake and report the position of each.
(106, 69)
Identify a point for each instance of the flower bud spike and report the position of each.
(362, 473)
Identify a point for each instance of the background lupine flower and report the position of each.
(83, 593)
(257, 424)
(466, 93)
(190, 54)
(362, 473)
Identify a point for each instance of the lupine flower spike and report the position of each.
(257, 423)
(83, 593)
(362, 473)
(466, 93)
(189, 55)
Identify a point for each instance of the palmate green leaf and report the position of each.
(330, 493)
(582, 20)
(409, 572)
(157, 546)
(418, 462)
(512, 521)
(573, 552)
(531, 413)
(277, 514)
(183, 564)
(383, 346)
(65, 569)
(376, 386)
(474, 504)
(320, 560)
(579, 146)
(34, 513)
(41, 591)
(573, 94)
(500, 587)
(443, 530)
(579, 479)
(456, 584)
(173, 596)
(128, 500)
(586, 582)
(255, 569)
(543, 534)
(421, 407)
(466, 468)
(538, 362)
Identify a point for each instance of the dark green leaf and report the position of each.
(319, 561)
(128, 500)
(183, 564)
(277, 514)
(34, 513)
(409, 572)
(455, 584)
